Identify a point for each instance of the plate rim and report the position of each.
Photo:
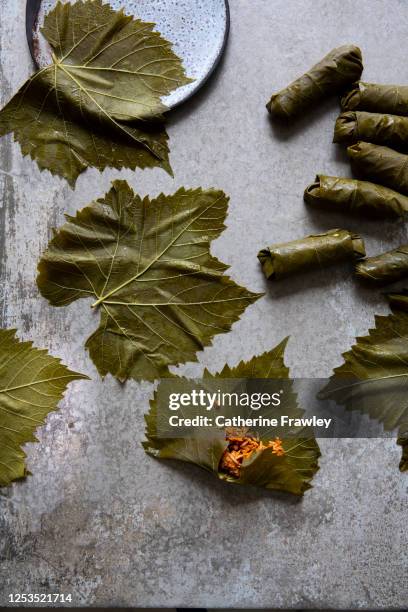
(32, 12)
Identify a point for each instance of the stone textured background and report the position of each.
(99, 518)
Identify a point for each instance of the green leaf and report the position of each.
(291, 472)
(374, 376)
(147, 265)
(399, 302)
(99, 103)
(31, 385)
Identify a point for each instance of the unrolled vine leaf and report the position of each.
(31, 385)
(147, 266)
(399, 302)
(99, 102)
(374, 376)
(286, 465)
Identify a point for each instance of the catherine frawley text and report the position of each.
(238, 421)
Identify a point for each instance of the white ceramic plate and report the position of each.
(198, 30)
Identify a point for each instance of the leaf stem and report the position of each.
(101, 299)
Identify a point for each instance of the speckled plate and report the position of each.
(198, 30)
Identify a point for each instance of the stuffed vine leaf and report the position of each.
(385, 268)
(378, 128)
(380, 164)
(316, 251)
(330, 76)
(377, 98)
(360, 197)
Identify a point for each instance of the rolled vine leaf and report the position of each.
(377, 128)
(377, 98)
(385, 268)
(312, 252)
(380, 164)
(330, 76)
(359, 197)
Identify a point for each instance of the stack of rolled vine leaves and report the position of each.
(374, 126)
(145, 263)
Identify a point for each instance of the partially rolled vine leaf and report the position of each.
(353, 126)
(380, 164)
(358, 197)
(312, 252)
(377, 98)
(32, 382)
(147, 266)
(99, 103)
(386, 268)
(374, 376)
(244, 457)
(338, 69)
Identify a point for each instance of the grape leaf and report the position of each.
(291, 471)
(31, 384)
(374, 376)
(147, 263)
(98, 103)
(399, 302)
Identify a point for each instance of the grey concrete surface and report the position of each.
(101, 520)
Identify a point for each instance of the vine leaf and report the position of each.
(31, 385)
(374, 376)
(99, 102)
(291, 471)
(147, 264)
